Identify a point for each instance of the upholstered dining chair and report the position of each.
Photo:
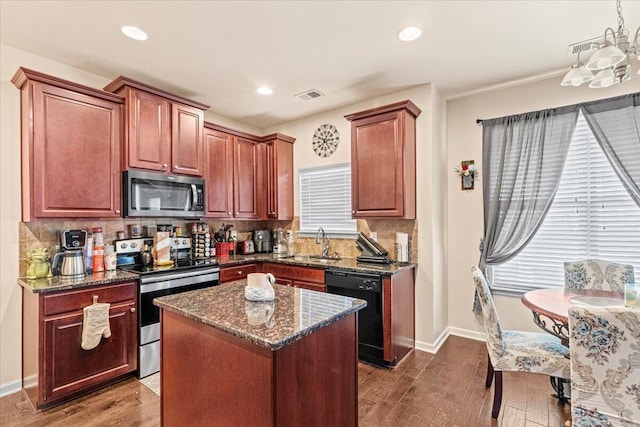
(516, 351)
(597, 274)
(605, 366)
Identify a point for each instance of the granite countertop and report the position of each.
(350, 264)
(293, 314)
(61, 283)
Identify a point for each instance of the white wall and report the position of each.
(430, 285)
(465, 215)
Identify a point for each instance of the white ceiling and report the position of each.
(219, 52)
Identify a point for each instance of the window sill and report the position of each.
(330, 235)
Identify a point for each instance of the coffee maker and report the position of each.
(70, 260)
(262, 241)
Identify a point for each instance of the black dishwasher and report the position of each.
(369, 288)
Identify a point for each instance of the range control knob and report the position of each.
(134, 245)
(123, 245)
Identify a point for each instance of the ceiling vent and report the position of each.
(308, 95)
(584, 46)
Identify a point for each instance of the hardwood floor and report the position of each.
(446, 389)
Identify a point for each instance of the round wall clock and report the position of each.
(325, 140)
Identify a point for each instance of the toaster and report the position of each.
(246, 247)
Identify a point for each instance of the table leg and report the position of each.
(558, 386)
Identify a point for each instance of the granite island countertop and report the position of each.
(293, 314)
(62, 283)
(350, 264)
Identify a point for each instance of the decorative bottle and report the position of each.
(97, 265)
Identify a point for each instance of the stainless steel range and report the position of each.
(185, 275)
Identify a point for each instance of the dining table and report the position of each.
(550, 308)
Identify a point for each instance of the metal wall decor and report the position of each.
(325, 140)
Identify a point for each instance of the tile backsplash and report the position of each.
(45, 233)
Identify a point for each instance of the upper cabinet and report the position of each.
(163, 132)
(278, 175)
(248, 177)
(383, 161)
(232, 165)
(71, 137)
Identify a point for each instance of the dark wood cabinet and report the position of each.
(55, 367)
(296, 276)
(218, 173)
(229, 274)
(71, 137)
(163, 132)
(245, 178)
(398, 322)
(278, 177)
(383, 161)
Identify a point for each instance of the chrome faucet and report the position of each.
(321, 237)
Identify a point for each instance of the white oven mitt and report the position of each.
(95, 325)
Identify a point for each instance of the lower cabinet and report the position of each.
(229, 274)
(299, 277)
(55, 366)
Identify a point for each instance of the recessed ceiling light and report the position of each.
(134, 33)
(263, 90)
(409, 34)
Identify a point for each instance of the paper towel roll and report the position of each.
(402, 238)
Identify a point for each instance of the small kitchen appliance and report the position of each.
(262, 241)
(70, 260)
(246, 247)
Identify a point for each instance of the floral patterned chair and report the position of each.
(605, 366)
(597, 274)
(515, 350)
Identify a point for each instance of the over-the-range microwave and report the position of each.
(150, 194)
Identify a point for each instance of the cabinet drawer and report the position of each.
(229, 274)
(311, 286)
(305, 274)
(67, 301)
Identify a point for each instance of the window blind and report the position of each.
(592, 216)
(325, 199)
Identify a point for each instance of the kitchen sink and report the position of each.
(311, 258)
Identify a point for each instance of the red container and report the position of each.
(222, 249)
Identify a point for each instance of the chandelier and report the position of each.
(610, 62)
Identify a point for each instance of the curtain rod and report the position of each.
(582, 104)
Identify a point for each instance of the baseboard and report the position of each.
(467, 333)
(10, 388)
(459, 332)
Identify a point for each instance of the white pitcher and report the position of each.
(260, 287)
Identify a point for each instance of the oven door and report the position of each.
(155, 286)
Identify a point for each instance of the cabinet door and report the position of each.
(279, 180)
(186, 140)
(218, 173)
(69, 369)
(75, 163)
(377, 165)
(245, 178)
(148, 131)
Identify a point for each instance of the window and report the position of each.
(325, 200)
(592, 216)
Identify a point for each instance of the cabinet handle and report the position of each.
(353, 212)
(164, 165)
(239, 273)
(133, 309)
(229, 213)
(117, 211)
(176, 167)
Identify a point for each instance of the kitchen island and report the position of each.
(227, 361)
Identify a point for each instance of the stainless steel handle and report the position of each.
(133, 309)
(194, 197)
